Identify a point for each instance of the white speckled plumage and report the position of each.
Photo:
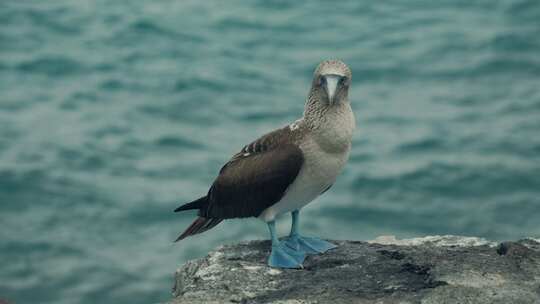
(325, 134)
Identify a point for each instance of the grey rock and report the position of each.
(434, 269)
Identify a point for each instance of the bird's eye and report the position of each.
(322, 81)
(342, 80)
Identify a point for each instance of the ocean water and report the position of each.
(113, 113)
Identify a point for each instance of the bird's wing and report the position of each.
(255, 178)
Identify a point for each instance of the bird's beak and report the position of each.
(332, 82)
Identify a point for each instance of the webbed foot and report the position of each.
(310, 245)
(284, 257)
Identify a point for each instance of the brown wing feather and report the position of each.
(255, 178)
(200, 225)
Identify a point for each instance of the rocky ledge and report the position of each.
(434, 269)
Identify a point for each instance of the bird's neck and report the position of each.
(317, 113)
(332, 126)
(314, 110)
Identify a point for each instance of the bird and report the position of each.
(285, 169)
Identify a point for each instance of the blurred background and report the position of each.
(113, 113)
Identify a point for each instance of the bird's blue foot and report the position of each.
(284, 257)
(311, 245)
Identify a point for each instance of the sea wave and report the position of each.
(114, 113)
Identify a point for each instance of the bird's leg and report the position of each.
(305, 244)
(281, 255)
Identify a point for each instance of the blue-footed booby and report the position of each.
(286, 169)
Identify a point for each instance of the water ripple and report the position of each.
(114, 112)
(52, 65)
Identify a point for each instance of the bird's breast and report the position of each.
(319, 171)
(320, 166)
(335, 130)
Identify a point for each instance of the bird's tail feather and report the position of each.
(196, 204)
(200, 225)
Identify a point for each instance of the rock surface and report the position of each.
(435, 269)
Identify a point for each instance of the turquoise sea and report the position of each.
(113, 113)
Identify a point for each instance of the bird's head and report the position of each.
(331, 82)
